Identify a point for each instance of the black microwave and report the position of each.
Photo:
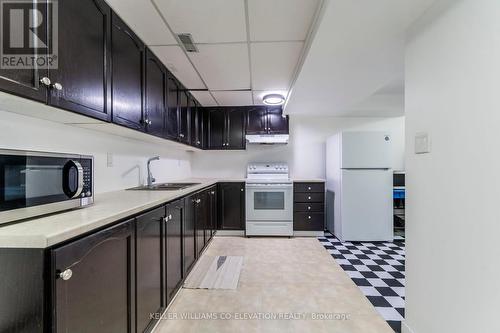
(39, 183)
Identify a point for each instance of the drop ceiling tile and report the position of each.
(280, 19)
(176, 61)
(223, 66)
(211, 21)
(258, 95)
(233, 98)
(204, 98)
(145, 20)
(273, 64)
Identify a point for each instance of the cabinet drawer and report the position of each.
(308, 221)
(309, 187)
(308, 207)
(309, 197)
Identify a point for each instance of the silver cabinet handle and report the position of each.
(181, 135)
(309, 198)
(198, 201)
(165, 219)
(213, 192)
(66, 274)
(198, 142)
(57, 86)
(147, 122)
(170, 216)
(45, 81)
(241, 190)
(309, 217)
(309, 207)
(309, 188)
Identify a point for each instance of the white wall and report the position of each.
(453, 193)
(130, 156)
(305, 153)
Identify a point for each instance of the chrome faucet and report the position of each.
(151, 179)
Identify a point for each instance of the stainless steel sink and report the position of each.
(164, 187)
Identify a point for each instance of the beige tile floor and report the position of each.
(280, 275)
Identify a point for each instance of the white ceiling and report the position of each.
(251, 45)
(355, 63)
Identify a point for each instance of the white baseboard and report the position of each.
(308, 233)
(230, 233)
(405, 328)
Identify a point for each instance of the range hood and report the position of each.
(268, 139)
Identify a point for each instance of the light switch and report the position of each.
(109, 160)
(422, 143)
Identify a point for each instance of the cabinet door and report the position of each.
(155, 93)
(212, 213)
(26, 82)
(256, 120)
(231, 199)
(149, 266)
(276, 122)
(201, 221)
(195, 141)
(184, 111)
(171, 118)
(128, 64)
(216, 125)
(173, 248)
(189, 236)
(200, 131)
(83, 71)
(235, 129)
(95, 293)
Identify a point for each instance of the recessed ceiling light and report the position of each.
(273, 99)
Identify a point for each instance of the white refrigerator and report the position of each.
(359, 186)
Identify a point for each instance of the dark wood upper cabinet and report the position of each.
(197, 125)
(231, 206)
(266, 120)
(236, 129)
(155, 94)
(226, 128)
(216, 128)
(94, 279)
(173, 248)
(277, 123)
(83, 72)
(257, 120)
(26, 82)
(128, 79)
(184, 117)
(149, 267)
(171, 117)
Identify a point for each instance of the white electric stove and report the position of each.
(269, 200)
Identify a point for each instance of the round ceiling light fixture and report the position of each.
(273, 99)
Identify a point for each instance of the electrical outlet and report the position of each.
(422, 143)
(110, 160)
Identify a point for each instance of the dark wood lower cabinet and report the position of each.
(114, 279)
(173, 248)
(309, 206)
(189, 234)
(93, 280)
(231, 206)
(149, 258)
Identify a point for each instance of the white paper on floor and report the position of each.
(219, 272)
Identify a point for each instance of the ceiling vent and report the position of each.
(187, 42)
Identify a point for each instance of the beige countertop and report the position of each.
(108, 208)
(310, 180)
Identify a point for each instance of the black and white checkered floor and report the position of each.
(378, 269)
